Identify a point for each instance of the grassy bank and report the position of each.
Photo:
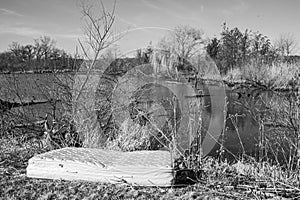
(218, 180)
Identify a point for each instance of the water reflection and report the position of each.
(241, 129)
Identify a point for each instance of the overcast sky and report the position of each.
(25, 20)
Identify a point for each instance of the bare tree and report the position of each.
(98, 29)
(286, 44)
(43, 48)
(183, 41)
(99, 34)
(29, 52)
(16, 48)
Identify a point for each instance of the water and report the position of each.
(240, 136)
(241, 128)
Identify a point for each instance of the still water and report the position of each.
(241, 131)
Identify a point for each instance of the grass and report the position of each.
(217, 181)
(132, 137)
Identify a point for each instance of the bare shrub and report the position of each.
(99, 36)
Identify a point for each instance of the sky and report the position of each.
(143, 21)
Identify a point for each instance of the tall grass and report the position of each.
(277, 74)
(132, 137)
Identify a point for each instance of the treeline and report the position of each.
(42, 56)
(232, 49)
(235, 49)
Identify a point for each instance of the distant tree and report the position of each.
(43, 48)
(234, 46)
(55, 58)
(16, 48)
(260, 48)
(7, 61)
(236, 49)
(38, 51)
(47, 45)
(20, 56)
(213, 48)
(42, 55)
(29, 52)
(286, 44)
(244, 47)
(18, 51)
(183, 41)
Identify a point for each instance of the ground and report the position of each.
(218, 181)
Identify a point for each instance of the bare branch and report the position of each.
(98, 30)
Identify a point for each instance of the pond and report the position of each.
(239, 132)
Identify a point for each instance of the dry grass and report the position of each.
(278, 74)
(132, 137)
(244, 180)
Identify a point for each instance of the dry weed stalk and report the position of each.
(99, 34)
